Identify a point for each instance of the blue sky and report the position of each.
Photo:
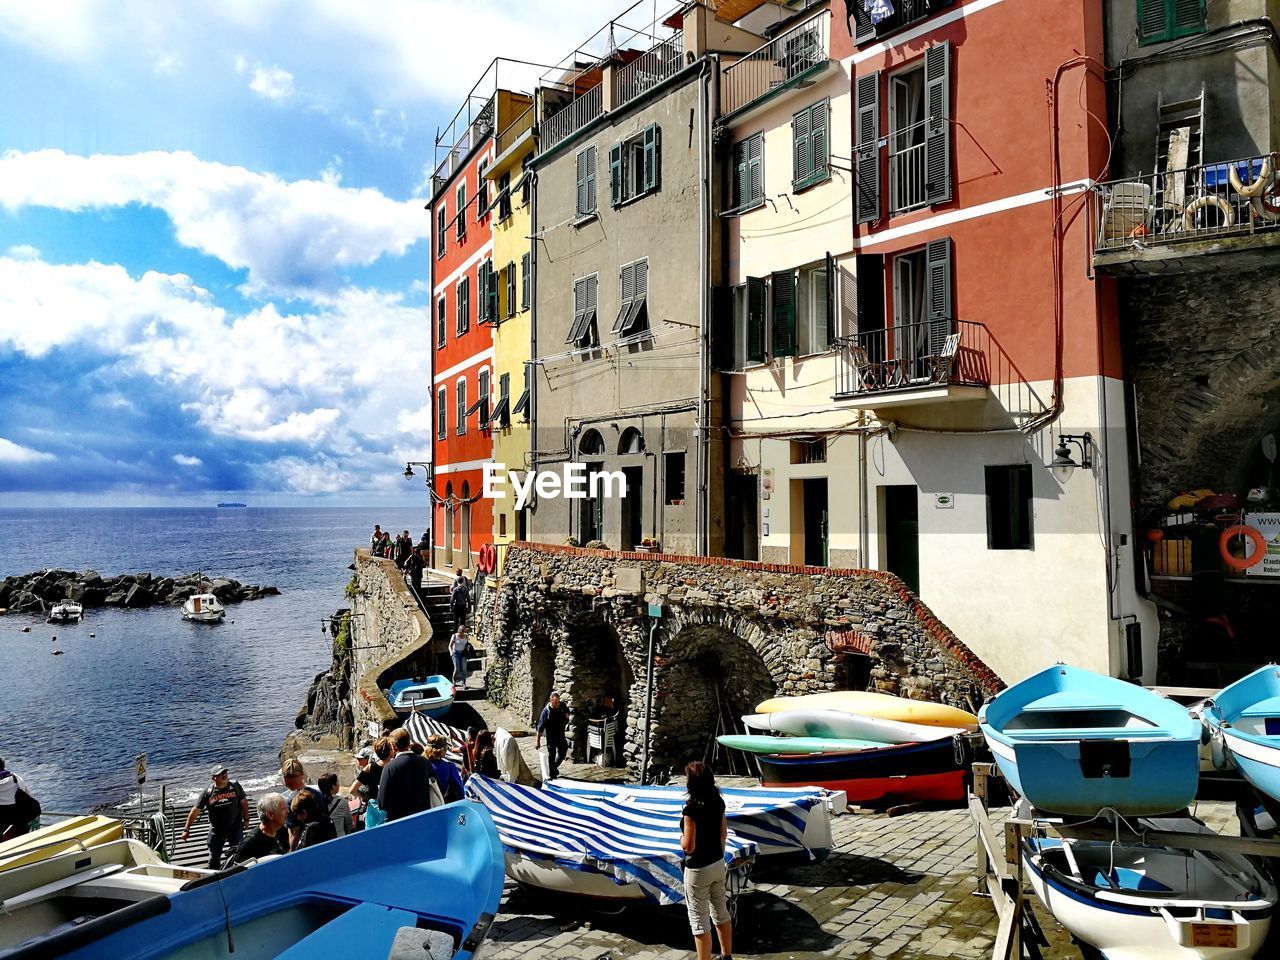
(213, 252)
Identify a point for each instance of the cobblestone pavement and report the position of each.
(899, 887)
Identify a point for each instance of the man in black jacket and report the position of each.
(405, 787)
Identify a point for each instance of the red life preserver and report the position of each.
(488, 561)
(1254, 537)
(482, 558)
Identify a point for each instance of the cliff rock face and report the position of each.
(38, 591)
(328, 707)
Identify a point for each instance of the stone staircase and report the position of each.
(433, 598)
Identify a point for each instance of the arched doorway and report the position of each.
(599, 670)
(591, 512)
(466, 524)
(448, 525)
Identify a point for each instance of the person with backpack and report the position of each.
(408, 784)
(316, 825)
(18, 809)
(460, 597)
(228, 814)
(446, 772)
(339, 809)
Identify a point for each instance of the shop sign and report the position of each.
(1267, 524)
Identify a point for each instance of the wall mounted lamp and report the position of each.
(1063, 463)
(408, 467)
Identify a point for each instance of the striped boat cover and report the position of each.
(420, 726)
(600, 835)
(774, 818)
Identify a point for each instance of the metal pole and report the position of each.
(164, 790)
(648, 704)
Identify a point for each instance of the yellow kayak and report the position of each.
(881, 705)
(58, 838)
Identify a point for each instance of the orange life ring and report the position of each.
(1254, 537)
(488, 558)
(482, 558)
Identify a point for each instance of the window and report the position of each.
(586, 160)
(810, 146)
(1009, 516)
(442, 236)
(502, 410)
(904, 14)
(440, 322)
(442, 417)
(634, 166)
(748, 173)
(521, 409)
(866, 152)
(461, 218)
(482, 191)
(747, 316)
(462, 297)
(815, 311)
(461, 397)
(632, 311)
(511, 289)
(1160, 20)
(809, 451)
(487, 281)
(583, 334)
(525, 280)
(922, 314)
(783, 289)
(673, 474)
(920, 132)
(504, 196)
(482, 398)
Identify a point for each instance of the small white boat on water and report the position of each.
(203, 608)
(66, 611)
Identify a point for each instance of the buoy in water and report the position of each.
(53, 639)
(57, 653)
(92, 636)
(25, 630)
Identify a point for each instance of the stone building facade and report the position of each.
(732, 633)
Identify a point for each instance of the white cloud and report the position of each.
(291, 236)
(182, 460)
(272, 83)
(23, 251)
(12, 453)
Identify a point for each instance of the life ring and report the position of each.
(1264, 205)
(1256, 188)
(482, 560)
(1253, 536)
(488, 561)
(1208, 200)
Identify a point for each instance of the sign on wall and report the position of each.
(1267, 524)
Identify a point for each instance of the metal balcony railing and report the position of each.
(905, 12)
(651, 68)
(470, 135)
(908, 356)
(782, 60)
(516, 129)
(1209, 200)
(908, 176)
(584, 108)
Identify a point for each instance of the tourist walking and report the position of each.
(339, 810)
(446, 773)
(269, 837)
(375, 539)
(460, 597)
(404, 546)
(407, 781)
(18, 809)
(425, 543)
(228, 814)
(553, 721)
(458, 653)
(484, 760)
(295, 780)
(413, 568)
(703, 829)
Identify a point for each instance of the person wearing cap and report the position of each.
(228, 814)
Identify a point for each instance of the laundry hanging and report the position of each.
(878, 10)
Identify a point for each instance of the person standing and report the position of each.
(228, 814)
(458, 653)
(295, 780)
(703, 830)
(460, 597)
(553, 722)
(446, 773)
(375, 539)
(316, 825)
(413, 568)
(339, 809)
(264, 840)
(425, 543)
(405, 787)
(404, 546)
(18, 809)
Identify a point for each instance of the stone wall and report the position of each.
(732, 633)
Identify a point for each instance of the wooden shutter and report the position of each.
(937, 102)
(482, 192)
(591, 304)
(830, 292)
(441, 330)
(642, 279)
(581, 207)
(524, 281)
(741, 175)
(867, 153)
(511, 288)
(784, 313)
(755, 319)
(652, 157)
(1153, 22)
(462, 210)
(442, 416)
(1188, 16)
(482, 290)
(801, 150)
(615, 174)
(722, 328)
(755, 167)
(579, 309)
(627, 292)
(819, 140)
(462, 406)
(590, 154)
(938, 292)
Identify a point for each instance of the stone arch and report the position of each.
(631, 441)
(593, 662)
(591, 444)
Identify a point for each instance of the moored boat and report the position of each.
(1138, 902)
(839, 724)
(1075, 742)
(933, 771)
(1244, 718)
(66, 611)
(867, 703)
(432, 696)
(74, 833)
(203, 608)
(749, 743)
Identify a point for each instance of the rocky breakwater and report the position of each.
(37, 592)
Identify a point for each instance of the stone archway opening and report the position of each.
(708, 678)
(597, 669)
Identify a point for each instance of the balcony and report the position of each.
(648, 70)
(584, 108)
(785, 61)
(913, 364)
(905, 13)
(1184, 221)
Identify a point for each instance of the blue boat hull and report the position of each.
(432, 696)
(1245, 716)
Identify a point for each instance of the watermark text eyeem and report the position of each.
(573, 481)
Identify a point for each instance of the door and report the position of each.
(466, 524)
(742, 536)
(815, 522)
(910, 335)
(902, 534)
(632, 508)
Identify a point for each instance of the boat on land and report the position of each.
(839, 725)
(74, 833)
(421, 726)
(432, 696)
(203, 608)
(426, 885)
(934, 771)
(749, 743)
(769, 817)
(1075, 742)
(66, 611)
(866, 703)
(595, 846)
(1243, 724)
(1136, 902)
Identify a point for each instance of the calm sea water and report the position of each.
(185, 694)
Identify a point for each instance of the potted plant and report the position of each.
(649, 545)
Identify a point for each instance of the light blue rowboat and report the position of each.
(1075, 742)
(1245, 719)
(436, 876)
(432, 696)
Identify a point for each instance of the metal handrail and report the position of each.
(648, 70)
(776, 63)
(584, 108)
(906, 356)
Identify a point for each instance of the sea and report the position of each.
(188, 695)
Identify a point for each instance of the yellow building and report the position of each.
(512, 269)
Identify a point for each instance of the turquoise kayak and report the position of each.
(755, 743)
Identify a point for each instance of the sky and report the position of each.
(213, 247)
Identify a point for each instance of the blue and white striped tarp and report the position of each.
(600, 835)
(774, 818)
(420, 726)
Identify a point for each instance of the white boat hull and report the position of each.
(203, 608)
(546, 875)
(66, 613)
(836, 724)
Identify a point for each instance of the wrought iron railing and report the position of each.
(584, 108)
(780, 61)
(903, 357)
(908, 171)
(1208, 200)
(472, 134)
(651, 68)
(905, 12)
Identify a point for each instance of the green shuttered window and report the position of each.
(748, 173)
(1161, 20)
(784, 313)
(867, 150)
(810, 146)
(586, 160)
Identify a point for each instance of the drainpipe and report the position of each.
(864, 521)
(648, 704)
(702, 518)
(533, 333)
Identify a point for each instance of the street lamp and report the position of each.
(408, 467)
(1063, 464)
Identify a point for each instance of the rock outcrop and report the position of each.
(37, 592)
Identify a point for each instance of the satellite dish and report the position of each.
(1269, 447)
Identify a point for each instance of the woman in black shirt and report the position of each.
(703, 829)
